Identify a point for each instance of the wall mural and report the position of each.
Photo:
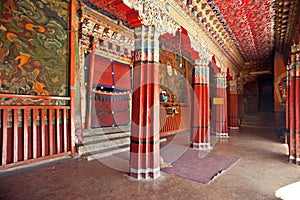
(280, 89)
(173, 77)
(34, 47)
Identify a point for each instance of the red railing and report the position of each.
(33, 128)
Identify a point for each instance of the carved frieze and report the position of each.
(114, 40)
(204, 54)
(152, 13)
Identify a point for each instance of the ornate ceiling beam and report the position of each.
(208, 15)
(113, 39)
(287, 18)
(151, 14)
(166, 12)
(182, 12)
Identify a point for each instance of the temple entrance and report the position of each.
(105, 54)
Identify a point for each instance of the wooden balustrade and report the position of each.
(31, 133)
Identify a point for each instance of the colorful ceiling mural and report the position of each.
(250, 24)
(115, 9)
(247, 32)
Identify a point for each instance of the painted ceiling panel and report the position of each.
(250, 24)
(115, 9)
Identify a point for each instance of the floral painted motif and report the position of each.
(250, 24)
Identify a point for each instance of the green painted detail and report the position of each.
(36, 41)
(278, 56)
(1, 7)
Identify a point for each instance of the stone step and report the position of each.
(108, 152)
(99, 138)
(94, 147)
(103, 142)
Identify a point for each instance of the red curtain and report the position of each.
(103, 72)
(122, 76)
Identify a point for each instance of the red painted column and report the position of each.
(233, 105)
(72, 73)
(220, 103)
(297, 105)
(144, 147)
(292, 142)
(287, 105)
(89, 93)
(201, 107)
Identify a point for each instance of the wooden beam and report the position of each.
(73, 41)
(4, 140)
(16, 135)
(34, 132)
(50, 128)
(43, 131)
(90, 87)
(58, 135)
(25, 132)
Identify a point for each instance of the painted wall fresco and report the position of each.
(279, 83)
(173, 77)
(34, 47)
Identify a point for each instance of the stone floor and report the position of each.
(262, 169)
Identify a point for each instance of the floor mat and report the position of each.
(191, 166)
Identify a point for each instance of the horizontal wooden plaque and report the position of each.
(218, 101)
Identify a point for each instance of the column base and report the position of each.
(234, 127)
(201, 146)
(222, 135)
(297, 161)
(292, 159)
(145, 174)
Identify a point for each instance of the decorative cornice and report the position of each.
(152, 13)
(201, 13)
(111, 12)
(287, 16)
(204, 54)
(166, 14)
(113, 40)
